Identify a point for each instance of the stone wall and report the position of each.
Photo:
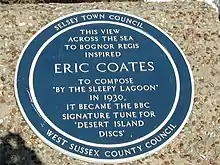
(56, 1)
(195, 28)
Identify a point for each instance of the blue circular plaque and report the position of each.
(104, 86)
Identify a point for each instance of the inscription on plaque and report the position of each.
(104, 86)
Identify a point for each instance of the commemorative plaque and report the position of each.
(104, 86)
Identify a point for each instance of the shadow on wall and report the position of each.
(14, 152)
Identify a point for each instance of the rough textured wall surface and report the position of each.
(55, 1)
(193, 25)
